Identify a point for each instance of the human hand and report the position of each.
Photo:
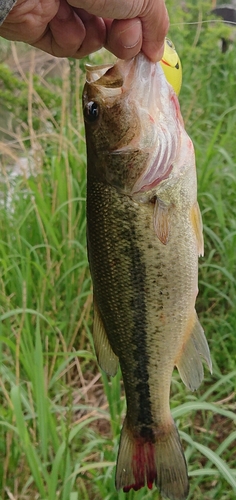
(132, 25)
(66, 29)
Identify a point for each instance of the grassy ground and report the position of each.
(60, 417)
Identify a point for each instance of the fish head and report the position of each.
(132, 122)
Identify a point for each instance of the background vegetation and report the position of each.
(60, 417)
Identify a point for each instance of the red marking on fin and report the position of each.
(156, 458)
(144, 466)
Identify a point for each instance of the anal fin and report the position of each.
(107, 359)
(189, 363)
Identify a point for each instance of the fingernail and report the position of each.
(131, 36)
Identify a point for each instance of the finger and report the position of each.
(124, 37)
(95, 33)
(72, 35)
(153, 15)
(111, 9)
(155, 24)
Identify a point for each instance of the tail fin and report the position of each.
(161, 462)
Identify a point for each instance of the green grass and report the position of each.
(60, 417)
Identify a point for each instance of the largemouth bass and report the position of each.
(144, 237)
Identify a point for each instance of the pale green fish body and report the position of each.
(144, 238)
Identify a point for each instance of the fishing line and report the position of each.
(204, 22)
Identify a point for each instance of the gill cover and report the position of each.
(171, 66)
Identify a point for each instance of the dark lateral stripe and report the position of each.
(139, 337)
(113, 225)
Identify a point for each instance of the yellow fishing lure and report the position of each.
(171, 66)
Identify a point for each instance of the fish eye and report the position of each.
(91, 111)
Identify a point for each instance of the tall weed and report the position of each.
(60, 418)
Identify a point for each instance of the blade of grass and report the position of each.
(38, 471)
(223, 468)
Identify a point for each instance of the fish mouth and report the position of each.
(94, 72)
(107, 79)
(121, 74)
(137, 77)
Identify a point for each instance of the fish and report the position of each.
(144, 236)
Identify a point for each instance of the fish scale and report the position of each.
(144, 237)
(127, 289)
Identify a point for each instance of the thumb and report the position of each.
(124, 37)
(152, 14)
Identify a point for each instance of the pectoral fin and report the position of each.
(107, 360)
(196, 220)
(189, 363)
(162, 221)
